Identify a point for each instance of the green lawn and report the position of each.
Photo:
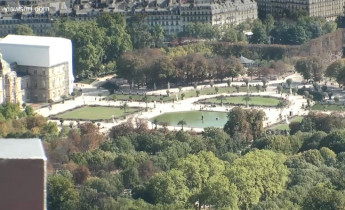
(210, 91)
(95, 113)
(188, 94)
(286, 126)
(239, 100)
(87, 81)
(331, 107)
(134, 97)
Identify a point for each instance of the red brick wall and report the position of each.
(22, 184)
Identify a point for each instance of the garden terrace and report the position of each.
(328, 107)
(241, 100)
(187, 94)
(96, 113)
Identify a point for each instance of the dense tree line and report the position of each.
(285, 31)
(99, 44)
(146, 67)
(16, 122)
(187, 65)
(336, 70)
(269, 30)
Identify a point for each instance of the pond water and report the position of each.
(194, 119)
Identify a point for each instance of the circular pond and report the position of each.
(194, 119)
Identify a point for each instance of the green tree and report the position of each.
(146, 100)
(169, 187)
(155, 121)
(335, 141)
(124, 107)
(183, 95)
(289, 82)
(259, 33)
(182, 123)
(138, 30)
(221, 98)
(117, 39)
(310, 68)
(158, 35)
(247, 99)
(219, 192)
(259, 175)
(230, 35)
(234, 67)
(322, 196)
(336, 71)
(276, 143)
(216, 89)
(131, 66)
(88, 45)
(246, 124)
(161, 71)
(61, 193)
(269, 23)
(10, 110)
(24, 30)
(297, 35)
(29, 111)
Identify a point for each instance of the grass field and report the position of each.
(188, 94)
(239, 100)
(331, 107)
(286, 126)
(87, 81)
(134, 97)
(96, 113)
(210, 91)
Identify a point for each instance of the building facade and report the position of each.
(328, 9)
(44, 65)
(11, 89)
(23, 177)
(173, 16)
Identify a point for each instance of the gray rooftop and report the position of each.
(246, 60)
(21, 149)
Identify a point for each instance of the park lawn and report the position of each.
(239, 100)
(330, 107)
(87, 81)
(211, 90)
(135, 97)
(188, 94)
(286, 126)
(96, 113)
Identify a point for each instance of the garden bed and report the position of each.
(95, 113)
(263, 101)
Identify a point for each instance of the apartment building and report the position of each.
(328, 9)
(173, 17)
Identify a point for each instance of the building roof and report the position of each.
(21, 149)
(32, 40)
(246, 60)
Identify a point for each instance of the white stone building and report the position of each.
(45, 62)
